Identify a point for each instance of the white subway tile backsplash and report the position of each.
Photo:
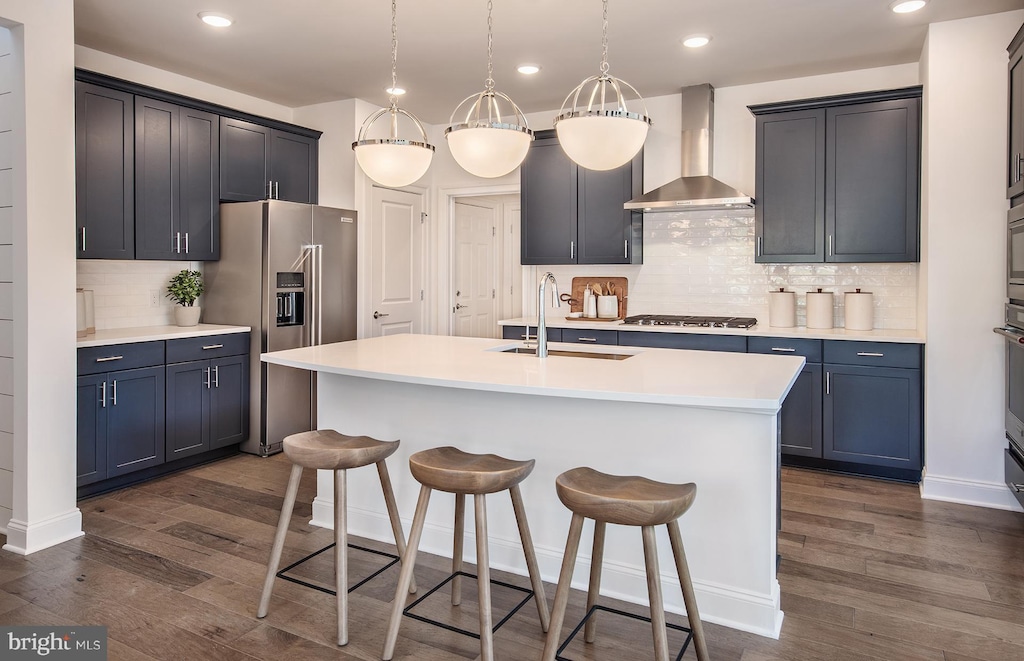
(703, 263)
(122, 290)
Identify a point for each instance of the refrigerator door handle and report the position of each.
(319, 301)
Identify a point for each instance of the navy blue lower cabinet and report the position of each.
(92, 429)
(801, 414)
(207, 405)
(229, 401)
(872, 415)
(737, 343)
(135, 420)
(519, 333)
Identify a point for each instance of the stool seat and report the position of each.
(621, 499)
(452, 470)
(326, 449)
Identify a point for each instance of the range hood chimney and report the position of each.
(696, 189)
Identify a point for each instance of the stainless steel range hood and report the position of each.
(696, 189)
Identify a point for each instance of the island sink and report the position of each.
(531, 351)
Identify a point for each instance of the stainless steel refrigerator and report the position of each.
(289, 271)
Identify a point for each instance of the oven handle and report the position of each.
(1016, 337)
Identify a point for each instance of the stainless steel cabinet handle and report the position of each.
(277, 192)
(270, 190)
(107, 359)
(572, 250)
(1018, 488)
(213, 346)
(758, 246)
(103, 395)
(586, 339)
(83, 238)
(206, 376)
(186, 243)
(216, 376)
(378, 315)
(829, 245)
(828, 383)
(870, 354)
(177, 242)
(113, 399)
(786, 349)
(1020, 162)
(625, 249)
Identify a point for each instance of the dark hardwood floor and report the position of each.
(174, 569)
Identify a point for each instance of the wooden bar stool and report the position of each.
(627, 501)
(326, 449)
(454, 471)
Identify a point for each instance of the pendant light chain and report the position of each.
(604, 41)
(489, 83)
(394, 52)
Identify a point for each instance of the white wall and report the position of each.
(43, 211)
(965, 138)
(7, 85)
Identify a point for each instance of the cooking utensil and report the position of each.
(596, 287)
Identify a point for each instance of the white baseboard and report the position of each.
(719, 604)
(994, 495)
(25, 538)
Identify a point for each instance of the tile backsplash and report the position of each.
(703, 263)
(123, 290)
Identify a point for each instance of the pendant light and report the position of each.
(603, 134)
(487, 142)
(393, 161)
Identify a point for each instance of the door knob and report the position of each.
(459, 306)
(378, 315)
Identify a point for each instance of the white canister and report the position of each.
(607, 307)
(589, 303)
(782, 308)
(819, 309)
(80, 310)
(860, 310)
(90, 312)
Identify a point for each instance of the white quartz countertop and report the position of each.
(754, 383)
(104, 338)
(760, 330)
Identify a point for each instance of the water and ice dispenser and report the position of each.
(291, 302)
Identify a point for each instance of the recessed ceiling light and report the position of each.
(696, 40)
(528, 69)
(397, 91)
(215, 19)
(907, 6)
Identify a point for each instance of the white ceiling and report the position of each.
(301, 52)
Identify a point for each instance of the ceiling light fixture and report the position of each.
(396, 91)
(215, 19)
(907, 6)
(697, 41)
(528, 69)
(484, 140)
(603, 134)
(393, 161)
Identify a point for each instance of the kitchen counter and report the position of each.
(760, 330)
(102, 338)
(670, 415)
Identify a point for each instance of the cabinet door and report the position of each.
(229, 401)
(156, 179)
(872, 415)
(1015, 153)
(604, 229)
(135, 420)
(188, 402)
(872, 182)
(548, 184)
(293, 167)
(104, 172)
(789, 217)
(199, 206)
(244, 160)
(801, 414)
(92, 428)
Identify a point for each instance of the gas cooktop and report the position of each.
(689, 320)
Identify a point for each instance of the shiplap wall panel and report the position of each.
(6, 376)
(7, 338)
(6, 450)
(6, 263)
(6, 301)
(6, 415)
(7, 276)
(6, 225)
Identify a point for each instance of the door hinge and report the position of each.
(494, 231)
(423, 217)
(421, 294)
(493, 294)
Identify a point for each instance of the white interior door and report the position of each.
(396, 273)
(475, 270)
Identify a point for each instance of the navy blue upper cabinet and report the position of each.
(259, 163)
(1015, 152)
(571, 215)
(104, 181)
(838, 178)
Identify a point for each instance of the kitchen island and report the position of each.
(669, 415)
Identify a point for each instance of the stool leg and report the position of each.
(459, 540)
(654, 594)
(282, 530)
(572, 544)
(594, 591)
(396, 521)
(483, 573)
(689, 598)
(341, 552)
(405, 577)
(531, 557)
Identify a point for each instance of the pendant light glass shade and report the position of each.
(393, 161)
(488, 142)
(595, 125)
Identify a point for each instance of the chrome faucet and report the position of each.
(542, 330)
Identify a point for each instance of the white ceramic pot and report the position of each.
(185, 315)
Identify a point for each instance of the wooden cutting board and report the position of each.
(620, 287)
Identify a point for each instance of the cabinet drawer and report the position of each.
(784, 346)
(1014, 475)
(519, 333)
(880, 354)
(94, 360)
(736, 343)
(210, 346)
(585, 336)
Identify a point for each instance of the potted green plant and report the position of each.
(184, 288)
